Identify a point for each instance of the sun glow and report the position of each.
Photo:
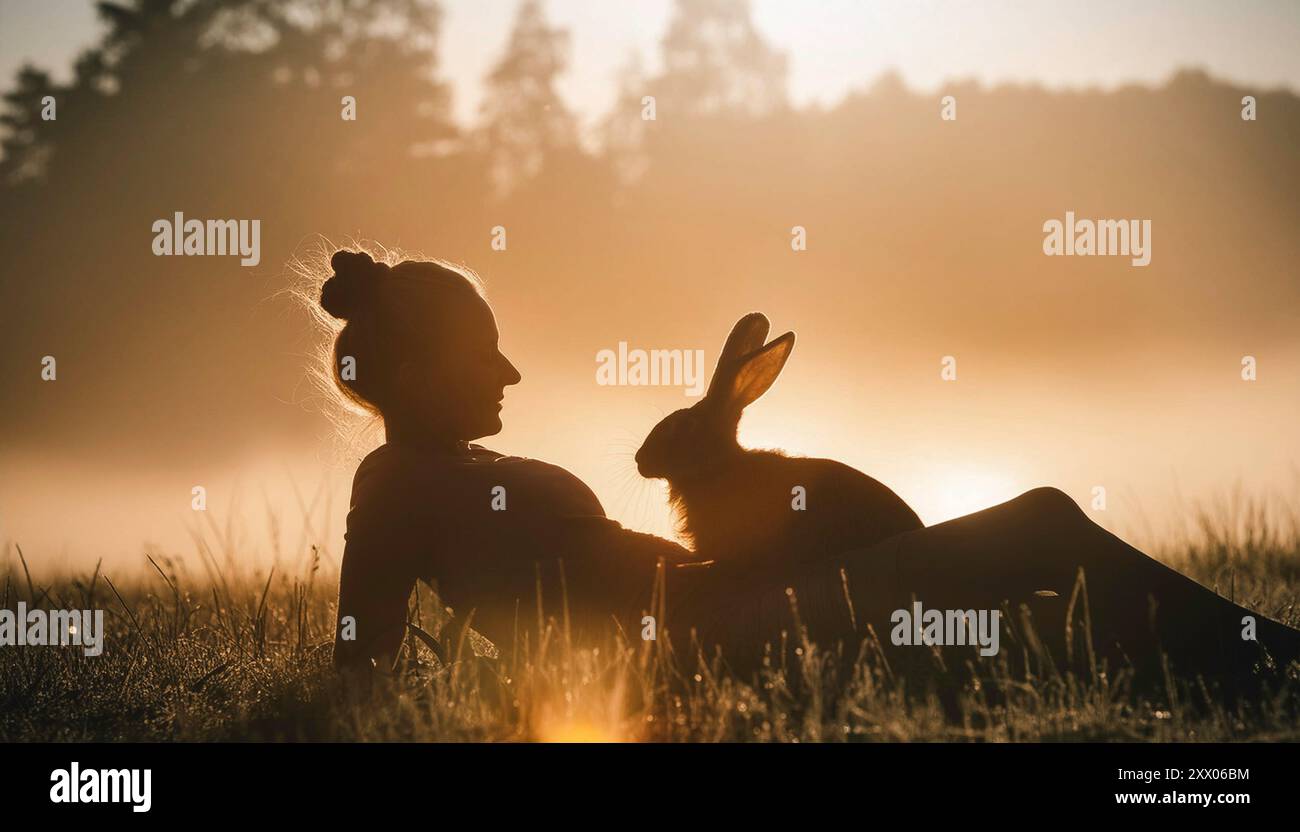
(576, 732)
(956, 492)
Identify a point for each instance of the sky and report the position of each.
(833, 45)
(946, 450)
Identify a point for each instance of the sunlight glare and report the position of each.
(575, 731)
(956, 492)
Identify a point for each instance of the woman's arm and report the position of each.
(378, 571)
(633, 545)
(608, 569)
(387, 530)
(374, 587)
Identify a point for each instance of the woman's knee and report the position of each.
(1052, 501)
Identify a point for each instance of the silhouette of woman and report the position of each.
(420, 349)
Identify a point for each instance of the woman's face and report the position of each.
(458, 390)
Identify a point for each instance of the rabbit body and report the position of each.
(745, 508)
(763, 508)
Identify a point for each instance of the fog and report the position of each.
(924, 240)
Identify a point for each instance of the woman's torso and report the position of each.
(486, 529)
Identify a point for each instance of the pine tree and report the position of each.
(525, 120)
(716, 62)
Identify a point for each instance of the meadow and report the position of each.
(198, 648)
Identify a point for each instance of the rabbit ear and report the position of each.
(746, 336)
(758, 371)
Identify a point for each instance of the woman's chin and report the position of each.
(490, 426)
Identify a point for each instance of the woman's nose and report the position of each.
(512, 375)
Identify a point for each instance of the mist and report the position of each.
(923, 241)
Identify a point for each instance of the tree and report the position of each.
(170, 55)
(715, 62)
(525, 120)
(221, 109)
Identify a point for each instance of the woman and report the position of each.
(419, 349)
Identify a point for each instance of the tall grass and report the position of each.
(235, 654)
(1246, 548)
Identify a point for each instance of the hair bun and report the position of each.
(350, 291)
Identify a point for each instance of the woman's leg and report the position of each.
(1024, 557)
(1139, 609)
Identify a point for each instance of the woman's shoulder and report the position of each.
(552, 488)
(391, 473)
(381, 466)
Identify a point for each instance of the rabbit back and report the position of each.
(771, 509)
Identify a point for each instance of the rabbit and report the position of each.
(737, 506)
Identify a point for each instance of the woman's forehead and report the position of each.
(483, 313)
(473, 318)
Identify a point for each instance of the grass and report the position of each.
(245, 656)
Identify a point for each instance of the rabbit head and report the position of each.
(692, 442)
